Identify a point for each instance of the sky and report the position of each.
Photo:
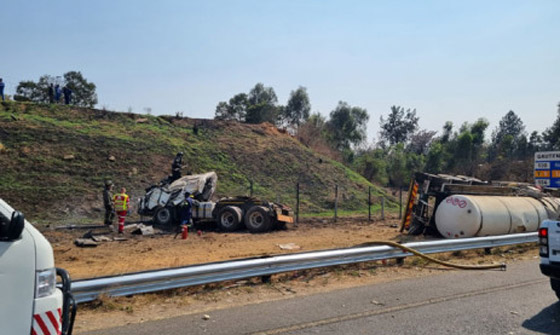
(450, 60)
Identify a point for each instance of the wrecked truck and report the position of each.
(162, 202)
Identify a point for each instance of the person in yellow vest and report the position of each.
(121, 201)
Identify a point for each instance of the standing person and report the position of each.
(176, 167)
(108, 203)
(121, 207)
(57, 93)
(51, 93)
(67, 94)
(186, 210)
(2, 85)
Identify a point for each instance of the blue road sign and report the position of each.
(547, 169)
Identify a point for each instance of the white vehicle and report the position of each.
(549, 250)
(31, 302)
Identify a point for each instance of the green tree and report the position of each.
(262, 105)
(505, 138)
(435, 159)
(551, 136)
(399, 125)
(28, 90)
(83, 92)
(372, 164)
(347, 126)
(297, 109)
(236, 109)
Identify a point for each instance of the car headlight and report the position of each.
(45, 283)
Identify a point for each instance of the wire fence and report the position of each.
(328, 201)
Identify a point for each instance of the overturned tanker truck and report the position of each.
(162, 203)
(459, 206)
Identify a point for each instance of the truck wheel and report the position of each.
(229, 218)
(164, 216)
(555, 284)
(257, 219)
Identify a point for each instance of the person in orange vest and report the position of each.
(121, 201)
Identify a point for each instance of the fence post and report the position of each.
(400, 202)
(383, 208)
(369, 203)
(297, 203)
(335, 201)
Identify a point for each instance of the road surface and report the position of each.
(517, 301)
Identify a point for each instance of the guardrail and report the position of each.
(157, 280)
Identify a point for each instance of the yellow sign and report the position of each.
(543, 174)
(555, 173)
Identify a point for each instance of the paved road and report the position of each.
(518, 301)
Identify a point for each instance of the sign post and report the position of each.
(547, 169)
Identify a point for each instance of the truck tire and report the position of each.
(164, 216)
(258, 220)
(229, 218)
(555, 284)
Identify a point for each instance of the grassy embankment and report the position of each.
(55, 158)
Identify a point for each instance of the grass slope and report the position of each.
(55, 158)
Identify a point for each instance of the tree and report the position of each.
(347, 126)
(236, 109)
(28, 91)
(297, 109)
(83, 92)
(420, 141)
(399, 126)
(505, 138)
(262, 105)
(551, 136)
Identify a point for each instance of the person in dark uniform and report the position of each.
(51, 93)
(108, 203)
(176, 167)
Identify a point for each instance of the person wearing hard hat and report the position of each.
(121, 201)
(108, 203)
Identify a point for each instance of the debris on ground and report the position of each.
(69, 157)
(206, 317)
(289, 246)
(85, 243)
(143, 230)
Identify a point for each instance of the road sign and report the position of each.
(547, 169)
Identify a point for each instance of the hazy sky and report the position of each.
(450, 60)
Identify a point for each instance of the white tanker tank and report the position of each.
(459, 216)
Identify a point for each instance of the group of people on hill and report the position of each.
(55, 93)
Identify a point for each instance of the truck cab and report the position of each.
(549, 251)
(31, 301)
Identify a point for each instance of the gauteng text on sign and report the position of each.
(547, 169)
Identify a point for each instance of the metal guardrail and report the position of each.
(157, 280)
